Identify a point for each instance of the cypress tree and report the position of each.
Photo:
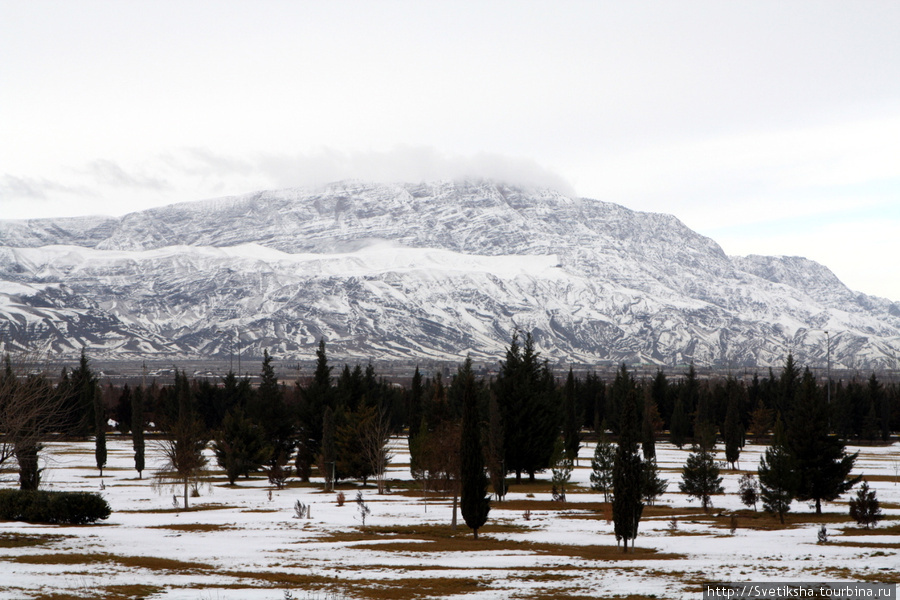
(315, 398)
(649, 424)
(732, 430)
(679, 428)
(571, 436)
(474, 502)
(137, 429)
(627, 504)
(99, 430)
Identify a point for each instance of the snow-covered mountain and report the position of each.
(422, 271)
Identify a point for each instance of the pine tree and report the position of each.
(270, 411)
(137, 429)
(652, 485)
(864, 509)
(777, 476)
(524, 389)
(474, 502)
(627, 505)
(602, 465)
(561, 471)
(240, 447)
(700, 477)
(822, 467)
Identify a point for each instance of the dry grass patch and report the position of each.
(873, 545)
(858, 530)
(152, 563)
(279, 579)
(193, 527)
(166, 511)
(413, 588)
(24, 540)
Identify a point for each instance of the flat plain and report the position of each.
(246, 542)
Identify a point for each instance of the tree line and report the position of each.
(527, 420)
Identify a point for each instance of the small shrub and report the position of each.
(823, 534)
(364, 510)
(864, 509)
(341, 498)
(36, 506)
(299, 510)
(748, 489)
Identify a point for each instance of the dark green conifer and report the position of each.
(474, 501)
(627, 504)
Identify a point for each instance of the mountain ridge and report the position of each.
(409, 271)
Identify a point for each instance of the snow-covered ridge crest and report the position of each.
(424, 271)
(375, 257)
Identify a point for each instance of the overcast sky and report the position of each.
(773, 127)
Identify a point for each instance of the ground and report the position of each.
(246, 542)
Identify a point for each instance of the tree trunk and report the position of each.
(185, 494)
(818, 506)
(455, 504)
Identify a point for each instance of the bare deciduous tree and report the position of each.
(29, 409)
(376, 433)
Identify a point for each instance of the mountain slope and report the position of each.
(423, 271)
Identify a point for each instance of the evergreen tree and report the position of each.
(627, 505)
(777, 476)
(561, 470)
(602, 465)
(496, 467)
(524, 390)
(123, 410)
(679, 428)
(652, 485)
(864, 509)
(700, 477)
(315, 399)
(240, 446)
(99, 430)
(137, 429)
(821, 465)
(415, 418)
(474, 502)
(329, 453)
(571, 435)
(650, 423)
(268, 409)
(733, 431)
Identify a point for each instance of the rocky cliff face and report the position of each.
(422, 271)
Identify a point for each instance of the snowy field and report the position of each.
(244, 542)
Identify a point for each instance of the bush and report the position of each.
(68, 508)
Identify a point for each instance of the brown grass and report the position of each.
(193, 527)
(857, 530)
(23, 540)
(165, 511)
(145, 562)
